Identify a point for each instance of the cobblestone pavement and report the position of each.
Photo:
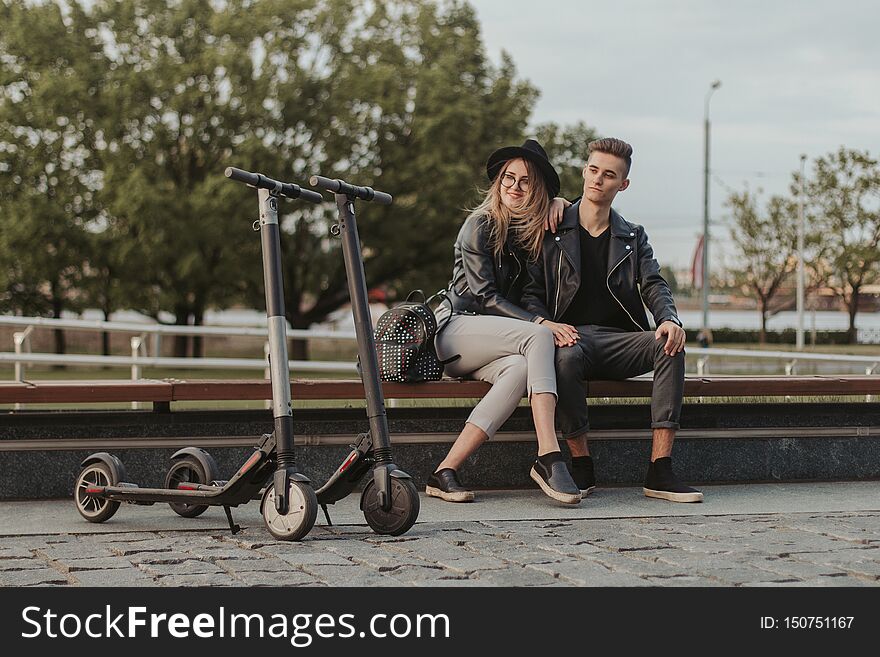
(773, 549)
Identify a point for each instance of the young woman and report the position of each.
(498, 341)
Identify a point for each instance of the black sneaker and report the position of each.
(555, 480)
(661, 483)
(444, 484)
(583, 474)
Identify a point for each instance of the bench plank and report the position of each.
(68, 392)
(316, 389)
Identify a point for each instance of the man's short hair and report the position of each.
(612, 146)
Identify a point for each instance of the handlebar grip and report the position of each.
(341, 187)
(258, 180)
(309, 195)
(240, 175)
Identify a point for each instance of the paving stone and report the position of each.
(827, 582)
(17, 552)
(314, 558)
(265, 564)
(473, 564)
(797, 568)
(154, 545)
(188, 567)
(96, 563)
(524, 554)
(130, 576)
(451, 581)
(33, 563)
(680, 581)
(567, 549)
(197, 579)
(121, 538)
(416, 574)
(351, 576)
(284, 578)
(640, 564)
(516, 576)
(32, 577)
(158, 557)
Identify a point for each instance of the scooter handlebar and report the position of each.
(258, 180)
(341, 187)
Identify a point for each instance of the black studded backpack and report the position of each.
(405, 341)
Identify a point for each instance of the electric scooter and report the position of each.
(389, 501)
(288, 502)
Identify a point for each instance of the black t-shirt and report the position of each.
(593, 302)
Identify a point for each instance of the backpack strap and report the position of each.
(443, 296)
(409, 297)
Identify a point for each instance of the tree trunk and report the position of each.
(762, 336)
(105, 336)
(852, 305)
(298, 348)
(181, 342)
(198, 342)
(60, 342)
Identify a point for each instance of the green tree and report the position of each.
(566, 147)
(764, 243)
(843, 192)
(164, 95)
(50, 78)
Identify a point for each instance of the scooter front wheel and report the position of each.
(403, 512)
(94, 509)
(301, 513)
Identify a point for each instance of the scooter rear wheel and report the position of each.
(186, 469)
(301, 513)
(403, 512)
(94, 509)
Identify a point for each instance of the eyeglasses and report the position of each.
(508, 181)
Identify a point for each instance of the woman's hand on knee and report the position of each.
(564, 335)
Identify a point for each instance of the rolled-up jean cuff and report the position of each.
(665, 425)
(571, 435)
(543, 385)
(479, 420)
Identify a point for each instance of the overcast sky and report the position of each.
(797, 77)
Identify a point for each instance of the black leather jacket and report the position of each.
(481, 284)
(633, 274)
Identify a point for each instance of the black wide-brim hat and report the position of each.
(532, 151)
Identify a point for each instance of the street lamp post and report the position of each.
(705, 263)
(800, 259)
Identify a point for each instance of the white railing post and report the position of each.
(702, 362)
(22, 340)
(136, 343)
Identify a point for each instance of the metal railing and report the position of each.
(139, 358)
(791, 358)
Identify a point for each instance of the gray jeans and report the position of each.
(513, 355)
(610, 353)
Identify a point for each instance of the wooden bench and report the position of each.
(162, 392)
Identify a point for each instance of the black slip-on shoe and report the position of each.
(583, 474)
(662, 484)
(556, 481)
(444, 484)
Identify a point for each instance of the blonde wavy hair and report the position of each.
(527, 225)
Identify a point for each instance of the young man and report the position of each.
(594, 278)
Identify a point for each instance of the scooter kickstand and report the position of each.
(326, 515)
(232, 526)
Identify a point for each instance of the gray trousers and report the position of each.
(610, 353)
(513, 355)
